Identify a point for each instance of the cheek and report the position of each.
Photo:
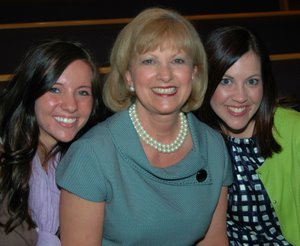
(86, 107)
(45, 102)
(213, 104)
(218, 100)
(256, 95)
(217, 97)
(43, 106)
(139, 74)
(143, 76)
(185, 74)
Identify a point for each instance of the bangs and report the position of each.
(164, 33)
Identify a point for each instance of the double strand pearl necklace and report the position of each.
(164, 148)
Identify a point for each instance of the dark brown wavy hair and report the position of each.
(19, 131)
(224, 46)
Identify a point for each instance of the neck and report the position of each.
(149, 140)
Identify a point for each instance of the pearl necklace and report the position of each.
(164, 148)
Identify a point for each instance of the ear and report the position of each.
(128, 78)
(195, 71)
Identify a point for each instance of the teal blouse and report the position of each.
(146, 205)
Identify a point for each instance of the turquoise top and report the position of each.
(146, 205)
(280, 174)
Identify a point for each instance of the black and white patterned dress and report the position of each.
(251, 219)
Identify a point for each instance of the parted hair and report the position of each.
(39, 70)
(147, 31)
(224, 46)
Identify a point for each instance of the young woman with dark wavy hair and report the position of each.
(50, 101)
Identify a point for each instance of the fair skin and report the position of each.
(65, 108)
(163, 82)
(82, 228)
(216, 234)
(238, 96)
(162, 79)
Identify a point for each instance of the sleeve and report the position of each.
(227, 172)
(296, 138)
(219, 158)
(47, 239)
(80, 172)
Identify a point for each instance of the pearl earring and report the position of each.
(131, 88)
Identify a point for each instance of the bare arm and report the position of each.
(216, 234)
(81, 221)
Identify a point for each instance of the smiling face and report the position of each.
(238, 96)
(65, 108)
(162, 79)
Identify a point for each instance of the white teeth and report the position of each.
(237, 110)
(65, 120)
(170, 90)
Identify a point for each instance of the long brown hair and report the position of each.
(19, 130)
(224, 46)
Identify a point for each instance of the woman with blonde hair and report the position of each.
(151, 174)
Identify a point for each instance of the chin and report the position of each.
(66, 138)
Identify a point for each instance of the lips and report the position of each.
(237, 110)
(65, 120)
(166, 91)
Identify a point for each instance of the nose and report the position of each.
(164, 73)
(240, 94)
(69, 103)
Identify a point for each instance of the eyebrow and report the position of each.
(227, 76)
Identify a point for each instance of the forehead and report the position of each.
(246, 64)
(77, 73)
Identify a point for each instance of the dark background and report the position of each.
(281, 32)
(49, 10)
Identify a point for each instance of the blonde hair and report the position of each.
(147, 31)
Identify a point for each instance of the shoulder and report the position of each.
(96, 143)
(212, 146)
(94, 132)
(206, 138)
(202, 128)
(287, 126)
(104, 126)
(286, 118)
(288, 112)
(98, 134)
